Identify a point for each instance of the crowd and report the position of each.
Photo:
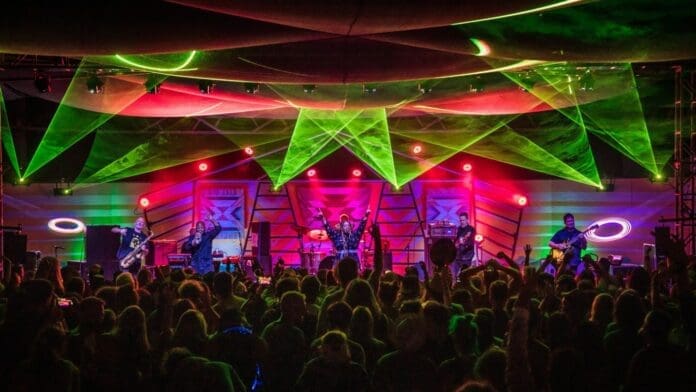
(495, 327)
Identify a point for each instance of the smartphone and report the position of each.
(264, 280)
(65, 302)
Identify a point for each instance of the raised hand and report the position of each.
(527, 250)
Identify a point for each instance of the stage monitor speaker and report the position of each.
(15, 247)
(101, 246)
(263, 239)
(661, 241)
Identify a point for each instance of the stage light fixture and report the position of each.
(658, 178)
(58, 191)
(476, 85)
(478, 238)
(586, 81)
(309, 88)
(144, 202)
(153, 85)
(251, 88)
(606, 188)
(467, 167)
(369, 89)
(42, 81)
(95, 85)
(311, 172)
(206, 86)
(249, 151)
(203, 166)
(417, 149)
(424, 88)
(520, 200)
(357, 172)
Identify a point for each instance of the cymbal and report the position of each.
(318, 235)
(300, 229)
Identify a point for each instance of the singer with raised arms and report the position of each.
(200, 245)
(344, 238)
(133, 247)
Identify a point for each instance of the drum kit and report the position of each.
(310, 259)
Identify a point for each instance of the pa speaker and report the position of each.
(661, 241)
(263, 238)
(101, 246)
(15, 247)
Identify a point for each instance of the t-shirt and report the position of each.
(564, 235)
(465, 251)
(129, 241)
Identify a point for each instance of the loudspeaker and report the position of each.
(661, 241)
(101, 246)
(15, 247)
(263, 238)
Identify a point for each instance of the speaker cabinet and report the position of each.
(15, 247)
(101, 246)
(661, 241)
(262, 233)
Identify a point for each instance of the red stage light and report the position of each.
(357, 172)
(202, 166)
(417, 149)
(478, 238)
(144, 202)
(467, 167)
(249, 151)
(311, 173)
(521, 200)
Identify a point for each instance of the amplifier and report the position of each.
(443, 231)
(179, 259)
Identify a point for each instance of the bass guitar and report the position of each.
(560, 254)
(134, 255)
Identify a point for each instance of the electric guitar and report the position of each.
(134, 255)
(560, 254)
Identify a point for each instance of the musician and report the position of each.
(344, 238)
(561, 240)
(200, 245)
(465, 244)
(131, 239)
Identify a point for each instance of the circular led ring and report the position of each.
(625, 229)
(78, 225)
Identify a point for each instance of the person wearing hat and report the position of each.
(344, 238)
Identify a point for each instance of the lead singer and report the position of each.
(345, 240)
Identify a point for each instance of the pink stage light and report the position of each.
(203, 166)
(478, 238)
(521, 200)
(357, 172)
(417, 149)
(249, 151)
(144, 202)
(467, 167)
(311, 172)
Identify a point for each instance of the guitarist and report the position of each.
(464, 243)
(132, 238)
(560, 241)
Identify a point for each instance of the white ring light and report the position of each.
(625, 229)
(78, 225)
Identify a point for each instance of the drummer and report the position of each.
(344, 237)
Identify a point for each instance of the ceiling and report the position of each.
(542, 85)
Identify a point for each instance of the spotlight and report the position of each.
(309, 88)
(249, 151)
(658, 178)
(417, 149)
(59, 191)
(467, 167)
(251, 88)
(95, 85)
(609, 187)
(203, 166)
(521, 200)
(144, 202)
(152, 85)
(311, 172)
(205, 86)
(478, 238)
(42, 81)
(424, 88)
(369, 89)
(21, 181)
(357, 172)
